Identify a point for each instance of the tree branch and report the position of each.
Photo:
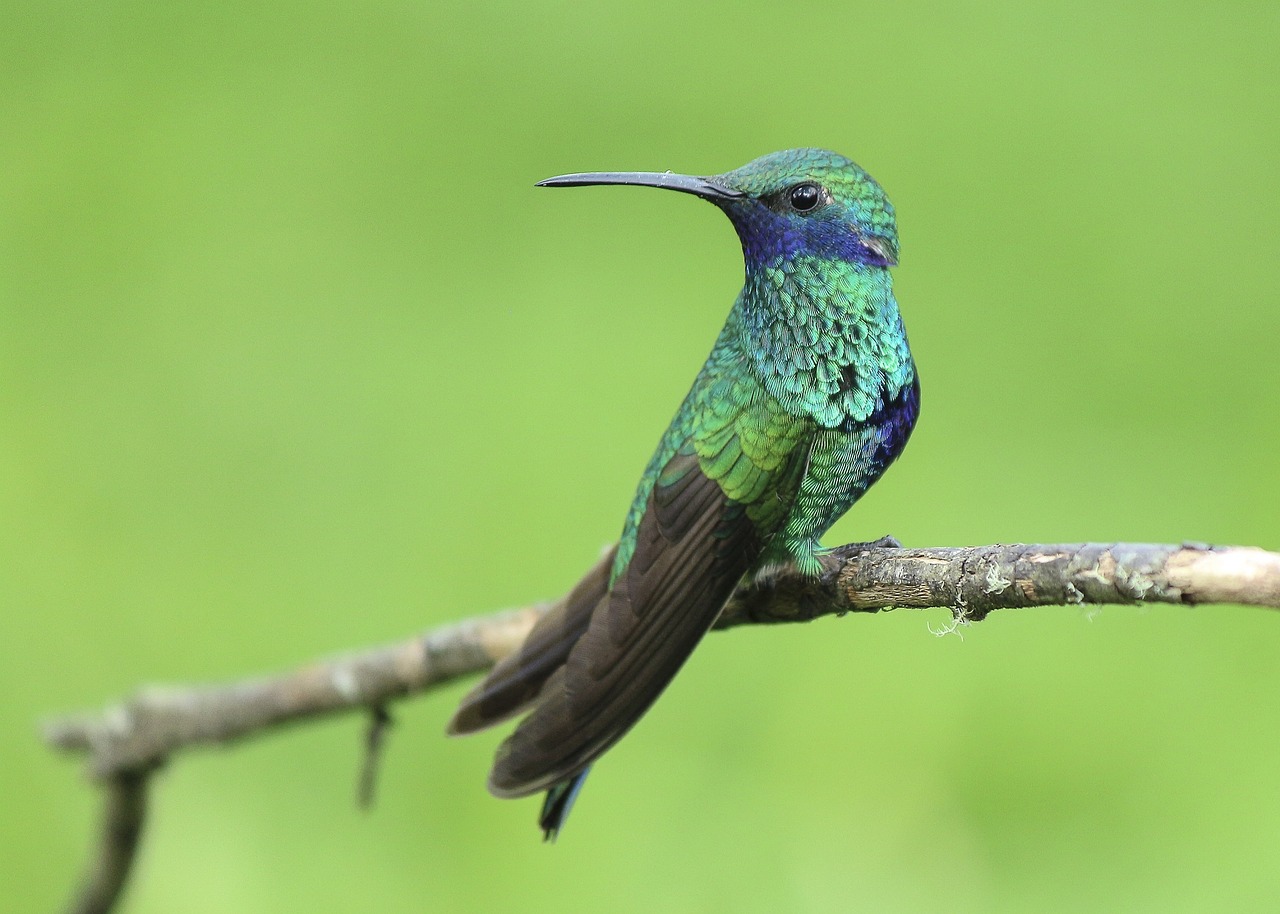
(974, 581)
(123, 814)
(127, 741)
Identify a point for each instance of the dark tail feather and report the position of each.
(558, 802)
(517, 679)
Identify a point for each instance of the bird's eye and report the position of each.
(805, 197)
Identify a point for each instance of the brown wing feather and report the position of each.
(516, 680)
(693, 545)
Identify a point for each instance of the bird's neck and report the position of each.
(825, 336)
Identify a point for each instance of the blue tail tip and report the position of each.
(557, 804)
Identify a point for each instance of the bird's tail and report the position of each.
(515, 681)
(557, 803)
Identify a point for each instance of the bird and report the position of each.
(810, 392)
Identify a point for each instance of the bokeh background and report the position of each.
(294, 359)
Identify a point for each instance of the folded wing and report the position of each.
(693, 544)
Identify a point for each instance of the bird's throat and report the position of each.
(825, 336)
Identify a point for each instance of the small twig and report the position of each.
(124, 812)
(127, 741)
(380, 721)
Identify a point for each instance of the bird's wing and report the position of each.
(713, 505)
(516, 680)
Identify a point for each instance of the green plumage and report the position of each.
(808, 394)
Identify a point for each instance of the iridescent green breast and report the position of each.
(826, 338)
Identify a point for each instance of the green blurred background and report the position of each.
(293, 358)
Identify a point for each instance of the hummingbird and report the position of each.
(808, 395)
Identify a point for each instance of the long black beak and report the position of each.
(706, 188)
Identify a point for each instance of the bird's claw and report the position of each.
(888, 541)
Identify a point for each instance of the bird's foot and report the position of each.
(885, 542)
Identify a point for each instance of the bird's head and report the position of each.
(808, 201)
